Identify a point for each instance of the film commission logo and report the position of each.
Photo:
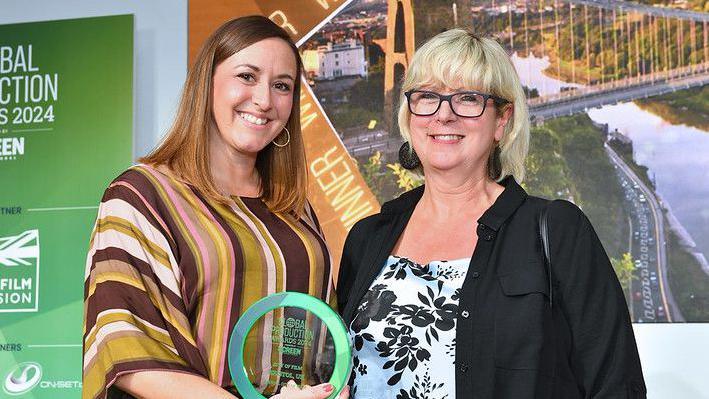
(24, 377)
(19, 272)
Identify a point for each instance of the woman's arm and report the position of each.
(135, 319)
(159, 384)
(604, 356)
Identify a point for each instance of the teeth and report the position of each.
(448, 137)
(253, 119)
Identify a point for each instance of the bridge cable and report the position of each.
(665, 34)
(588, 52)
(528, 55)
(558, 42)
(601, 55)
(615, 43)
(541, 35)
(573, 48)
(509, 17)
(637, 48)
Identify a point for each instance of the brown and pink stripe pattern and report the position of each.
(169, 273)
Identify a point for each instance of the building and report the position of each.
(332, 61)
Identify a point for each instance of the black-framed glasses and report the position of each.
(466, 104)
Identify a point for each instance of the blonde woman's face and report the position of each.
(445, 141)
(253, 96)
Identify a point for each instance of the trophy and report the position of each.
(289, 336)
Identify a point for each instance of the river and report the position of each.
(677, 156)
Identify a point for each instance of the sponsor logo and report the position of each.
(19, 272)
(27, 376)
(11, 148)
(22, 378)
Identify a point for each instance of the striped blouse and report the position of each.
(169, 273)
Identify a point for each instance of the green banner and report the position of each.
(66, 123)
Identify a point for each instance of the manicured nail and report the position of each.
(328, 387)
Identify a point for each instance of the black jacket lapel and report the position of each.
(395, 215)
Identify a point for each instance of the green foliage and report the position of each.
(640, 48)
(365, 101)
(437, 16)
(688, 107)
(530, 93)
(373, 175)
(695, 5)
(547, 172)
(368, 94)
(637, 46)
(387, 180)
(580, 170)
(406, 179)
(624, 269)
(348, 116)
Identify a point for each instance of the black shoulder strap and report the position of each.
(546, 253)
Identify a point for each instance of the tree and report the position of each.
(407, 180)
(373, 175)
(624, 269)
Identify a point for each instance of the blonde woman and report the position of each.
(212, 220)
(445, 291)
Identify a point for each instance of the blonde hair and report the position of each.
(185, 148)
(459, 57)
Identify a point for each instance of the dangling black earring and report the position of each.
(494, 164)
(407, 157)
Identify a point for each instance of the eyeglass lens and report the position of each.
(463, 104)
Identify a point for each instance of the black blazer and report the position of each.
(510, 342)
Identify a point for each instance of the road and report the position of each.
(651, 298)
(367, 143)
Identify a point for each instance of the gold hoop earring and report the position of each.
(287, 141)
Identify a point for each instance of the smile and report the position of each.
(252, 119)
(447, 137)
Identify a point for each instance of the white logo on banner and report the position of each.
(22, 378)
(11, 148)
(19, 280)
(15, 250)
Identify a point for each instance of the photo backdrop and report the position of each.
(662, 140)
(66, 123)
(617, 96)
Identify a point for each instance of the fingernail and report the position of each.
(328, 387)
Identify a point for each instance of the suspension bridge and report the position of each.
(615, 50)
(608, 52)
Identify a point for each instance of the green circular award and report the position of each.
(289, 336)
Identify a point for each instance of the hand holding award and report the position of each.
(309, 345)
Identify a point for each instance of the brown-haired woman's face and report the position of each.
(253, 95)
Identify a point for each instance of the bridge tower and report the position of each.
(400, 48)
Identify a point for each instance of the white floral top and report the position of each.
(404, 331)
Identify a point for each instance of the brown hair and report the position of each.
(185, 148)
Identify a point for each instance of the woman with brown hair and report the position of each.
(212, 220)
